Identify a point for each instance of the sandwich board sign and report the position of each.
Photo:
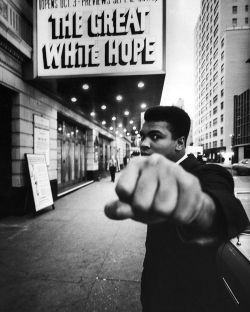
(40, 183)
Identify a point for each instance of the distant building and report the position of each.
(190, 140)
(180, 103)
(222, 41)
(241, 135)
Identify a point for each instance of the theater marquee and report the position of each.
(117, 37)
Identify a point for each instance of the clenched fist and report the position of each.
(154, 189)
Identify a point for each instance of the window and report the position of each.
(214, 133)
(222, 68)
(215, 98)
(234, 21)
(222, 55)
(215, 76)
(222, 43)
(246, 20)
(215, 65)
(222, 80)
(221, 130)
(221, 118)
(215, 121)
(222, 93)
(216, 19)
(215, 87)
(216, 30)
(234, 9)
(214, 143)
(215, 42)
(246, 8)
(215, 110)
(221, 105)
(221, 142)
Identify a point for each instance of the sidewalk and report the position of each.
(72, 258)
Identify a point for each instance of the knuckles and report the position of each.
(188, 194)
(155, 160)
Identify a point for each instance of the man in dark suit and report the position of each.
(190, 208)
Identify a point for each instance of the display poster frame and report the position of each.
(40, 183)
(42, 137)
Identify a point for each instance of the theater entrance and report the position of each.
(71, 155)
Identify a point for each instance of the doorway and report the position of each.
(5, 147)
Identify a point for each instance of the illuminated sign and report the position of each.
(99, 37)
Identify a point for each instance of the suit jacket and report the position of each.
(180, 276)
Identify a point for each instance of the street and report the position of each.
(242, 191)
(73, 258)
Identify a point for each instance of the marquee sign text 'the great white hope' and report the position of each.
(77, 38)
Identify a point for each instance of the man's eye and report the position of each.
(155, 137)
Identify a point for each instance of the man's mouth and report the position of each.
(145, 154)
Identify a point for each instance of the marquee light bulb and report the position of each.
(85, 86)
(140, 84)
(119, 98)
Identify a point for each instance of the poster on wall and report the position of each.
(99, 37)
(40, 183)
(42, 137)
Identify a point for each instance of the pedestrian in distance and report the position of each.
(112, 168)
(189, 209)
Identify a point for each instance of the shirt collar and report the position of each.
(181, 159)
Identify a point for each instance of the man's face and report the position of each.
(156, 138)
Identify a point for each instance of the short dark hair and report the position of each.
(178, 120)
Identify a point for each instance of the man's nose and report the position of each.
(145, 144)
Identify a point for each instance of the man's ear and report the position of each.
(180, 143)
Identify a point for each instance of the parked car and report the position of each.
(242, 167)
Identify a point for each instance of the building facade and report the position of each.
(78, 148)
(241, 135)
(222, 43)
